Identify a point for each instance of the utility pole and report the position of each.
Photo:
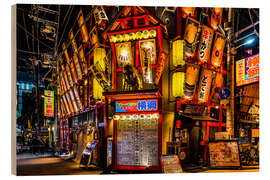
(230, 76)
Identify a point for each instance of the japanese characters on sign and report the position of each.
(205, 85)
(163, 58)
(205, 44)
(48, 103)
(247, 70)
(218, 48)
(136, 105)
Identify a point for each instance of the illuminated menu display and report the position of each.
(136, 105)
(137, 140)
(247, 70)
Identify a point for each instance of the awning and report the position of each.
(200, 118)
(126, 95)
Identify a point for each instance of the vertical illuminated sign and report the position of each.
(48, 103)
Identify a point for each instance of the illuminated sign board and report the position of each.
(136, 105)
(48, 103)
(247, 70)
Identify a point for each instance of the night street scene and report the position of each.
(103, 89)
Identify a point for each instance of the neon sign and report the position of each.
(136, 105)
(247, 70)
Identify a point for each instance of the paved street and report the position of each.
(49, 165)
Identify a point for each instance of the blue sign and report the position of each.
(224, 93)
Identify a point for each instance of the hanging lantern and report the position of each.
(217, 53)
(73, 72)
(190, 36)
(204, 48)
(85, 93)
(217, 86)
(113, 39)
(97, 90)
(188, 11)
(119, 37)
(132, 36)
(66, 104)
(73, 100)
(77, 66)
(125, 37)
(63, 81)
(83, 61)
(216, 17)
(145, 34)
(64, 48)
(99, 77)
(192, 72)
(69, 103)
(152, 33)
(94, 36)
(82, 26)
(69, 75)
(163, 58)
(138, 35)
(61, 63)
(178, 53)
(73, 41)
(178, 80)
(77, 97)
(66, 79)
(204, 85)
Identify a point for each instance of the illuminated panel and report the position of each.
(178, 80)
(247, 70)
(136, 105)
(48, 103)
(137, 140)
(178, 52)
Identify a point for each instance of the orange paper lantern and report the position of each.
(218, 49)
(204, 48)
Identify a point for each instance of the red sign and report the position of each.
(163, 58)
(136, 105)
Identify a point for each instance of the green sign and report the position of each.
(48, 103)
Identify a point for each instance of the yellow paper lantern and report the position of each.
(119, 37)
(125, 37)
(132, 36)
(145, 34)
(178, 53)
(152, 33)
(139, 35)
(113, 39)
(178, 80)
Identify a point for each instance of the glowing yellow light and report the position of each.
(138, 35)
(153, 33)
(145, 34)
(119, 38)
(125, 37)
(132, 36)
(113, 39)
(178, 80)
(178, 52)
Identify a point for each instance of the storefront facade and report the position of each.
(142, 92)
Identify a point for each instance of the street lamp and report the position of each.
(250, 41)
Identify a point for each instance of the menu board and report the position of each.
(137, 140)
(224, 154)
(170, 164)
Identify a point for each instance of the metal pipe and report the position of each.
(246, 28)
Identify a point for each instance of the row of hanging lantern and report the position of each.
(193, 53)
